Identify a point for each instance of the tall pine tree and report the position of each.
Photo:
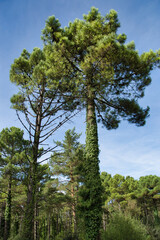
(42, 109)
(109, 77)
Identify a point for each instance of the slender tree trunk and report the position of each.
(36, 222)
(74, 222)
(44, 231)
(7, 226)
(49, 227)
(92, 183)
(57, 223)
(104, 221)
(29, 225)
(28, 221)
(0, 223)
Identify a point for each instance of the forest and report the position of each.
(57, 192)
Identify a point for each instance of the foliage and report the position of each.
(107, 78)
(124, 227)
(91, 192)
(86, 65)
(69, 159)
(100, 60)
(12, 148)
(44, 110)
(68, 163)
(136, 198)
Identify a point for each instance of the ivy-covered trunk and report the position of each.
(92, 189)
(8, 211)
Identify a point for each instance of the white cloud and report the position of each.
(131, 156)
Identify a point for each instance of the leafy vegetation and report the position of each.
(123, 227)
(107, 78)
(86, 65)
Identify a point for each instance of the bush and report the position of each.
(123, 227)
(17, 237)
(66, 236)
(154, 231)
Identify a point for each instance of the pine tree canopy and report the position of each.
(95, 55)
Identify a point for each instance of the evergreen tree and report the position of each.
(121, 189)
(54, 210)
(68, 163)
(148, 198)
(12, 145)
(108, 77)
(138, 198)
(40, 101)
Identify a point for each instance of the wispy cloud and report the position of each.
(137, 156)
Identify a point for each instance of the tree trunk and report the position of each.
(92, 183)
(36, 222)
(0, 219)
(8, 211)
(74, 222)
(49, 227)
(28, 221)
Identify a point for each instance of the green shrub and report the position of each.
(123, 227)
(154, 231)
(66, 236)
(17, 237)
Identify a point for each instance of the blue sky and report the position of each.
(128, 150)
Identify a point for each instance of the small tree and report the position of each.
(12, 145)
(68, 163)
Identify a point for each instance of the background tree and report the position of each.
(138, 199)
(119, 190)
(108, 78)
(12, 144)
(54, 210)
(148, 199)
(68, 163)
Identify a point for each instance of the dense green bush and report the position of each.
(66, 236)
(123, 227)
(17, 237)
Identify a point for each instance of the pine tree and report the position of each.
(68, 163)
(108, 77)
(148, 199)
(12, 146)
(41, 102)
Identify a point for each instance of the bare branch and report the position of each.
(50, 122)
(32, 107)
(44, 160)
(58, 126)
(47, 151)
(23, 123)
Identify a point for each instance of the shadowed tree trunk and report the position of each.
(7, 226)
